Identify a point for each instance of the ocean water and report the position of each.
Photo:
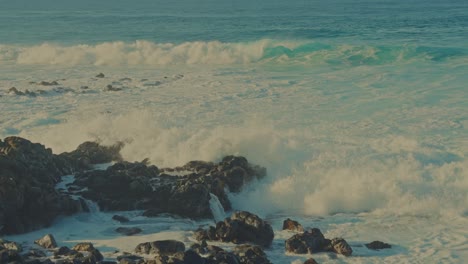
(358, 109)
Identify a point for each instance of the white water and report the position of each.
(216, 208)
(367, 153)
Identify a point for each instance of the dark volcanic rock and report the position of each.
(100, 75)
(249, 254)
(310, 261)
(340, 246)
(121, 219)
(161, 247)
(89, 153)
(241, 227)
(311, 241)
(292, 225)
(28, 174)
(376, 245)
(128, 231)
(45, 83)
(129, 186)
(223, 257)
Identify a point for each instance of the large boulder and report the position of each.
(241, 227)
(28, 174)
(309, 242)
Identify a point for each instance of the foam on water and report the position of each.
(216, 208)
(143, 52)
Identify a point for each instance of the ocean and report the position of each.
(357, 108)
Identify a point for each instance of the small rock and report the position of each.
(161, 247)
(128, 231)
(340, 246)
(376, 245)
(84, 246)
(15, 91)
(100, 75)
(310, 261)
(109, 87)
(121, 219)
(47, 241)
(292, 225)
(10, 245)
(44, 83)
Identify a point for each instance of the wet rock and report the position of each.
(5, 244)
(89, 153)
(161, 247)
(310, 261)
(15, 91)
(376, 245)
(311, 241)
(250, 254)
(100, 75)
(121, 219)
(241, 227)
(292, 225)
(340, 246)
(192, 257)
(111, 88)
(45, 83)
(223, 257)
(84, 246)
(47, 241)
(128, 231)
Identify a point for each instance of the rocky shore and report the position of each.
(30, 200)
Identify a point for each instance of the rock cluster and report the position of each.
(312, 241)
(28, 175)
(241, 227)
(10, 252)
(130, 186)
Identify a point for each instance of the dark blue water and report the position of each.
(430, 23)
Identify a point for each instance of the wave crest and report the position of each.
(218, 53)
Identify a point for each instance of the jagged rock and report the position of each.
(47, 241)
(84, 246)
(241, 227)
(28, 174)
(310, 261)
(340, 246)
(5, 244)
(376, 245)
(311, 241)
(61, 251)
(15, 91)
(121, 219)
(128, 231)
(161, 247)
(249, 254)
(89, 153)
(100, 75)
(292, 225)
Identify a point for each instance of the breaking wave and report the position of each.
(218, 53)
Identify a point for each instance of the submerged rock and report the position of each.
(100, 75)
(376, 245)
(241, 227)
(121, 219)
(128, 231)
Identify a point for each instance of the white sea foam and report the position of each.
(363, 152)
